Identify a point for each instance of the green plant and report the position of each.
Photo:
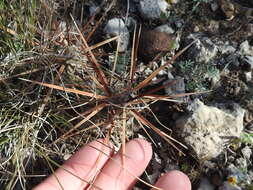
(247, 138)
(197, 75)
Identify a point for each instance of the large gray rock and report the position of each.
(206, 128)
(117, 27)
(153, 9)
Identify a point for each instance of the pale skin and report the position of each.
(103, 173)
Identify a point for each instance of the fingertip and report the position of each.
(174, 180)
(140, 150)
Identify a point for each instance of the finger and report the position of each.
(114, 176)
(174, 180)
(84, 164)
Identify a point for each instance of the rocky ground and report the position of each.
(214, 121)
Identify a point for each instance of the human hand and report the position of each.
(93, 165)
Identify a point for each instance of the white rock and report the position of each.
(203, 50)
(165, 28)
(205, 128)
(248, 76)
(196, 29)
(245, 48)
(153, 9)
(117, 27)
(246, 152)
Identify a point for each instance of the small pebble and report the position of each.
(115, 27)
(246, 152)
(154, 9)
(196, 29)
(214, 6)
(248, 76)
(245, 48)
(165, 28)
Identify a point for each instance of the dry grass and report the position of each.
(67, 95)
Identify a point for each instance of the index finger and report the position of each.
(85, 164)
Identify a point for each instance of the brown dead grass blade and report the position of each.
(94, 111)
(134, 53)
(94, 125)
(133, 61)
(172, 97)
(94, 62)
(88, 94)
(100, 44)
(150, 77)
(156, 89)
(123, 137)
(115, 63)
(50, 91)
(144, 129)
(24, 73)
(166, 137)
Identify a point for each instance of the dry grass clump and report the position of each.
(67, 96)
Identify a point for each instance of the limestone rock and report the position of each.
(153, 9)
(246, 48)
(165, 28)
(117, 27)
(246, 152)
(206, 128)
